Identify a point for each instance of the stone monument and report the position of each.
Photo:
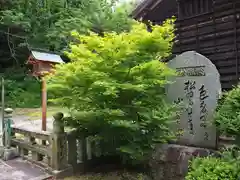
(197, 87)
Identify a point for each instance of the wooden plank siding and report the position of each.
(210, 27)
(214, 32)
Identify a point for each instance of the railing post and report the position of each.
(72, 149)
(7, 152)
(59, 150)
(59, 146)
(7, 127)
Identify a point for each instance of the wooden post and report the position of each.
(2, 118)
(44, 104)
(59, 143)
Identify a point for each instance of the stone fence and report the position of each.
(59, 152)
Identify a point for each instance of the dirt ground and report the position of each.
(111, 176)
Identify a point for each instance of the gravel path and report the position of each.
(31, 125)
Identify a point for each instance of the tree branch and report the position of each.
(12, 50)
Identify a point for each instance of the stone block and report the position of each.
(1, 151)
(171, 161)
(8, 153)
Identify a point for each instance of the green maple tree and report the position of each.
(115, 88)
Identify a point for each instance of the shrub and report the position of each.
(115, 88)
(227, 116)
(211, 168)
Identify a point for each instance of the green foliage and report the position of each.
(211, 168)
(48, 23)
(21, 90)
(228, 114)
(115, 88)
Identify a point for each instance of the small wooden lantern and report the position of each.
(43, 63)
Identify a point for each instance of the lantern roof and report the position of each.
(48, 57)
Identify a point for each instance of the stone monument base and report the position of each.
(8, 153)
(171, 161)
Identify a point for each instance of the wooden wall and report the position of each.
(212, 29)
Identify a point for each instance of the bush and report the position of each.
(115, 86)
(227, 116)
(211, 168)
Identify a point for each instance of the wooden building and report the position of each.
(210, 27)
(155, 10)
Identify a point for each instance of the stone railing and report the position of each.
(79, 150)
(34, 146)
(58, 151)
(46, 149)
